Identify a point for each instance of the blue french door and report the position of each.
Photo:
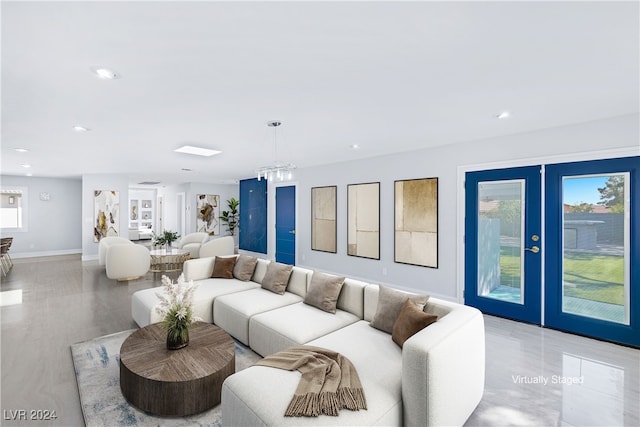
(503, 243)
(592, 263)
(286, 224)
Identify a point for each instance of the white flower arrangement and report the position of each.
(176, 307)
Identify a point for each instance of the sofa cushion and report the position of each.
(299, 281)
(389, 304)
(232, 312)
(244, 267)
(410, 320)
(143, 302)
(261, 270)
(277, 277)
(249, 397)
(324, 291)
(223, 267)
(351, 297)
(294, 324)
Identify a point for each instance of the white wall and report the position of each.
(441, 162)
(170, 214)
(191, 190)
(53, 225)
(71, 201)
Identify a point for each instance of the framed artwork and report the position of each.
(134, 210)
(323, 219)
(363, 220)
(416, 222)
(208, 214)
(106, 211)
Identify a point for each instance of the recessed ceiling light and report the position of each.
(198, 151)
(354, 146)
(504, 115)
(22, 150)
(26, 165)
(105, 73)
(79, 128)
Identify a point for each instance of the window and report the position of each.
(13, 208)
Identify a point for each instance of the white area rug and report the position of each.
(97, 366)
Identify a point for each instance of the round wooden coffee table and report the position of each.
(176, 382)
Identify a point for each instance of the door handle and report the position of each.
(533, 249)
(292, 231)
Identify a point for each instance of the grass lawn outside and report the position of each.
(586, 275)
(594, 277)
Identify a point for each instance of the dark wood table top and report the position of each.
(148, 370)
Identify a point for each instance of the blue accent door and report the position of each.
(253, 215)
(592, 261)
(502, 242)
(286, 225)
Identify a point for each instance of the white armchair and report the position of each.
(218, 247)
(127, 262)
(106, 243)
(192, 242)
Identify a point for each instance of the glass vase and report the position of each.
(177, 339)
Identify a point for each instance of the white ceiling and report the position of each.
(388, 76)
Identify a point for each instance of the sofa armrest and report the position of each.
(198, 269)
(443, 369)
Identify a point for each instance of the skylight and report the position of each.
(197, 151)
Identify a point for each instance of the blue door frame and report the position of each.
(529, 310)
(555, 317)
(286, 225)
(554, 249)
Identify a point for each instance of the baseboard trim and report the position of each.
(17, 255)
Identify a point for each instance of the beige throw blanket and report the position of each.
(329, 381)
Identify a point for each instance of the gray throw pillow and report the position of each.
(277, 276)
(324, 291)
(244, 268)
(389, 304)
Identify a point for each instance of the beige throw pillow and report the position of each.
(389, 304)
(277, 276)
(324, 291)
(410, 321)
(244, 268)
(223, 267)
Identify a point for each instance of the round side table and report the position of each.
(164, 261)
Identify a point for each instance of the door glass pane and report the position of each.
(595, 264)
(500, 232)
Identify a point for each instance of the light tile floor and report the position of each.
(64, 301)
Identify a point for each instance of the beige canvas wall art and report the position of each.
(363, 226)
(323, 219)
(106, 211)
(416, 222)
(208, 214)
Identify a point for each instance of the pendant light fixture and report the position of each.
(278, 171)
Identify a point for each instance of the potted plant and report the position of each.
(166, 238)
(231, 217)
(176, 309)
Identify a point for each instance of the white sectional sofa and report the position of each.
(435, 379)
